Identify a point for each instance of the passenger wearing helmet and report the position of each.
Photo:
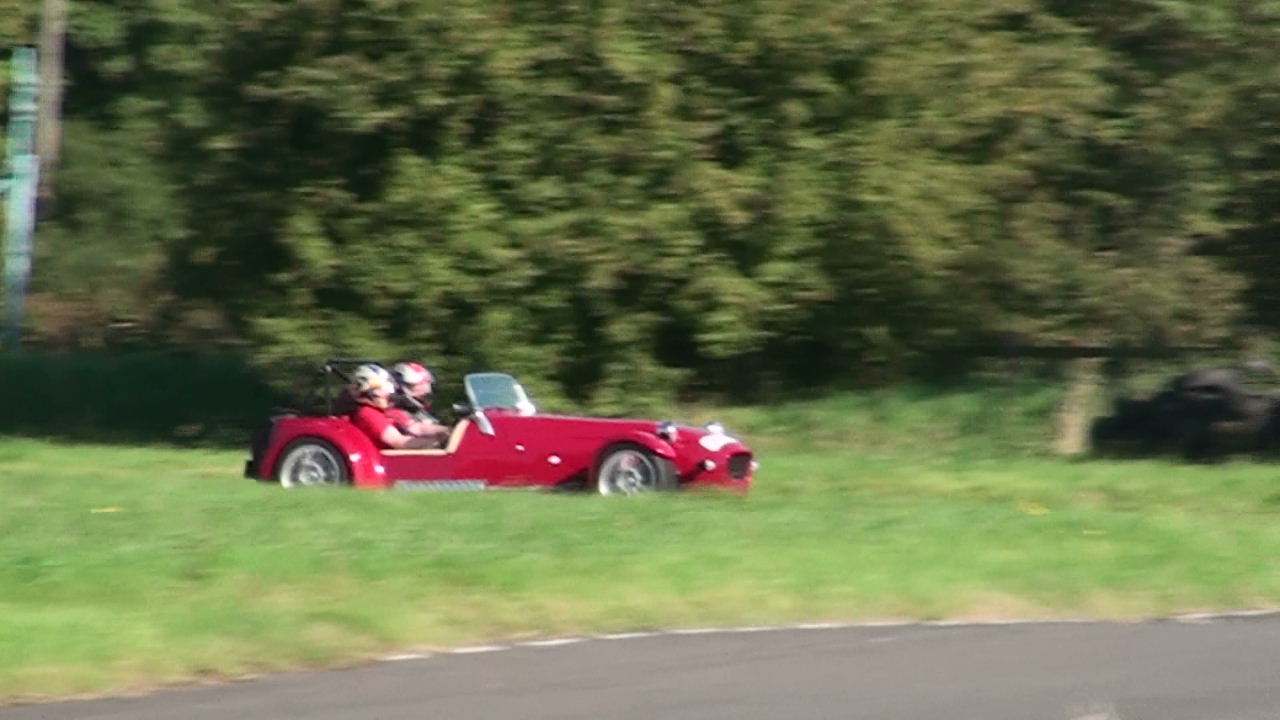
(372, 387)
(413, 402)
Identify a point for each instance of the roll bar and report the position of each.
(340, 367)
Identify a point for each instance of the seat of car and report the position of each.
(455, 439)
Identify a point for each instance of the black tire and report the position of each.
(312, 462)
(631, 469)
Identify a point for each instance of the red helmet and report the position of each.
(412, 373)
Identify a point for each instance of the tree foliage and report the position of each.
(617, 200)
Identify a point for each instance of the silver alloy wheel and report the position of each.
(312, 464)
(627, 472)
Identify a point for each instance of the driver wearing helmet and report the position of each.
(411, 414)
(372, 387)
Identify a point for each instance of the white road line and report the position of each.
(553, 642)
(1189, 618)
(1202, 617)
(477, 649)
(820, 626)
(1195, 619)
(627, 635)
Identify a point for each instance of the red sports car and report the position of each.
(500, 440)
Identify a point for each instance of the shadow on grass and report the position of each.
(137, 398)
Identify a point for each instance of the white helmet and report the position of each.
(372, 380)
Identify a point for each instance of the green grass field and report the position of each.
(125, 567)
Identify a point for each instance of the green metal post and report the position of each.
(23, 179)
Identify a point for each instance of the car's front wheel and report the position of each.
(312, 463)
(632, 469)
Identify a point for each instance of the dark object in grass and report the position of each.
(1203, 415)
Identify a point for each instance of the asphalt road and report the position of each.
(1224, 669)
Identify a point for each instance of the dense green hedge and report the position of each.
(618, 200)
(163, 398)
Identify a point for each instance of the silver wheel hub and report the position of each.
(309, 466)
(628, 472)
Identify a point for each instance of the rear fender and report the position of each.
(363, 459)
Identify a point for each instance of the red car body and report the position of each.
(506, 447)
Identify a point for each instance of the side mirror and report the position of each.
(462, 410)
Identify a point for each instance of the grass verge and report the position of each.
(123, 568)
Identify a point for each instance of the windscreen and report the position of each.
(497, 390)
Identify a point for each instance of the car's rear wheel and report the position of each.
(312, 463)
(633, 469)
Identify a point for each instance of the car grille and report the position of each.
(738, 465)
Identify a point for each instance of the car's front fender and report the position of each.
(660, 447)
